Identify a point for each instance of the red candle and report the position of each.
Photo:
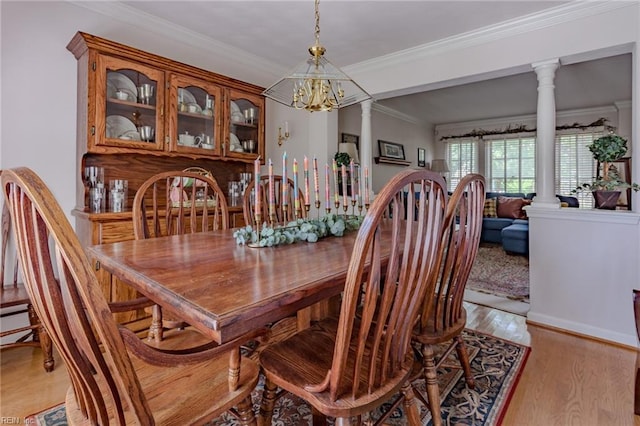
(296, 198)
(272, 198)
(327, 197)
(256, 188)
(353, 181)
(344, 185)
(335, 182)
(366, 185)
(285, 182)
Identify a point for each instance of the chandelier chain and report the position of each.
(317, 23)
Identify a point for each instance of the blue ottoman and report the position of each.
(515, 238)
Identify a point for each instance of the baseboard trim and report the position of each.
(620, 340)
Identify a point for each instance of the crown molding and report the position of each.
(142, 20)
(396, 114)
(536, 21)
(623, 104)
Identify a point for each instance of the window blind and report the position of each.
(575, 164)
(462, 159)
(511, 164)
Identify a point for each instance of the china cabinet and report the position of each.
(121, 114)
(139, 114)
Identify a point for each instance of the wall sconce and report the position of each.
(281, 137)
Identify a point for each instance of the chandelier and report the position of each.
(316, 84)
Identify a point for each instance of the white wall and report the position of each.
(387, 126)
(583, 267)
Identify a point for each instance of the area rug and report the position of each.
(496, 272)
(496, 365)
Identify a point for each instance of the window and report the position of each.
(575, 164)
(462, 159)
(511, 164)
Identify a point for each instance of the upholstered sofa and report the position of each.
(505, 222)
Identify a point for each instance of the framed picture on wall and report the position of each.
(391, 150)
(421, 157)
(349, 138)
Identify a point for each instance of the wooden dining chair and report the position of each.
(116, 379)
(636, 315)
(443, 317)
(347, 366)
(283, 212)
(176, 203)
(15, 302)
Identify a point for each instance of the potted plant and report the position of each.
(342, 158)
(606, 188)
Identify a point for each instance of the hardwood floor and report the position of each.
(567, 380)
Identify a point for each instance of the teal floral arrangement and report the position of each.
(309, 230)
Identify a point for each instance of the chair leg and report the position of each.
(268, 401)
(47, 350)
(40, 335)
(463, 356)
(636, 403)
(317, 418)
(155, 329)
(343, 421)
(409, 404)
(246, 416)
(431, 381)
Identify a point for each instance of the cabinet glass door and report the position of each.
(130, 101)
(246, 116)
(195, 110)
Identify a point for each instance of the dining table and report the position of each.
(225, 289)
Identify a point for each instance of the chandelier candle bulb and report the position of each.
(285, 181)
(296, 198)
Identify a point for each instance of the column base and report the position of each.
(545, 203)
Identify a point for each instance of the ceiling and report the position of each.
(280, 32)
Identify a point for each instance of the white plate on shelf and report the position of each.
(118, 81)
(119, 126)
(234, 143)
(194, 108)
(130, 135)
(237, 117)
(235, 108)
(186, 97)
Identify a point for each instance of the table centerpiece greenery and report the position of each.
(309, 230)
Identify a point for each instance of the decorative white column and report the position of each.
(366, 144)
(546, 135)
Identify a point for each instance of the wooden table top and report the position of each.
(225, 289)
